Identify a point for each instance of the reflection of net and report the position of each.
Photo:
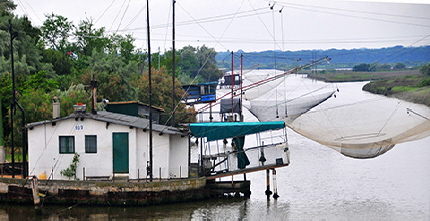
(364, 129)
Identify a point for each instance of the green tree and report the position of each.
(384, 67)
(41, 81)
(399, 66)
(113, 75)
(207, 64)
(361, 67)
(162, 93)
(61, 63)
(27, 56)
(6, 6)
(89, 38)
(56, 30)
(425, 69)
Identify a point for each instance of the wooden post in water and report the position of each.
(275, 185)
(36, 197)
(268, 192)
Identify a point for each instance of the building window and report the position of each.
(90, 143)
(67, 144)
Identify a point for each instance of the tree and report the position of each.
(361, 67)
(199, 64)
(162, 96)
(113, 75)
(27, 56)
(384, 67)
(425, 69)
(6, 6)
(61, 62)
(208, 69)
(56, 30)
(399, 66)
(89, 38)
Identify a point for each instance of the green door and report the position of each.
(120, 152)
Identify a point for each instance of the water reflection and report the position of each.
(216, 208)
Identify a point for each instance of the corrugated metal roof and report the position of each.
(119, 119)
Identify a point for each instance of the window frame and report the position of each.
(89, 148)
(62, 142)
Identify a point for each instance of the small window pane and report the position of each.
(67, 144)
(90, 144)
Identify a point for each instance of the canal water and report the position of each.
(320, 183)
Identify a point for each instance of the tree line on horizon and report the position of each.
(340, 58)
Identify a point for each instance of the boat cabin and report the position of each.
(200, 93)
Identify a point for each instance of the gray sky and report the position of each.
(251, 25)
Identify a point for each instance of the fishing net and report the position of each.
(355, 123)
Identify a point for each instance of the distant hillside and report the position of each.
(411, 56)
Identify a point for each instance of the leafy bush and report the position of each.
(71, 170)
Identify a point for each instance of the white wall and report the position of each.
(44, 153)
(178, 157)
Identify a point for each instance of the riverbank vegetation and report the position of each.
(411, 85)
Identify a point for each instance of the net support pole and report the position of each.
(268, 192)
(275, 185)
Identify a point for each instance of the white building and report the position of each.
(108, 144)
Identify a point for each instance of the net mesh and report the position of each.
(355, 123)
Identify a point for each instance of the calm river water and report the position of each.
(320, 183)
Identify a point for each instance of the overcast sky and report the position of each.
(251, 25)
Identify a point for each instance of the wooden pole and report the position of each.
(36, 197)
(268, 192)
(149, 92)
(173, 64)
(275, 185)
(2, 153)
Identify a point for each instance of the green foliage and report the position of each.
(7, 5)
(425, 82)
(71, 170)
(399, 66)
(384, 67)
(361, 67)
(56, 30)
(89, 39)
(113, 75)
(397, 89)
(425, 69)
(26, 53)
(61, 63)
(41, 81)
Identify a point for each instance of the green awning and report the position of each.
(220, 130)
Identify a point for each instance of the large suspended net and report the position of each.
(355, 123)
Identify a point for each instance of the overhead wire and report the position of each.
(104, 11)
(135, 18)
(308, 8)
(26, 12)
(119, 12)
(123, 15)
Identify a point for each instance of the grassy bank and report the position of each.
(350, 76)
(405, 85)
(409, 88)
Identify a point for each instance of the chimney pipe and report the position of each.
(93, 96)
(55, 107)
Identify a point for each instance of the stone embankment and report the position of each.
(110, 193)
